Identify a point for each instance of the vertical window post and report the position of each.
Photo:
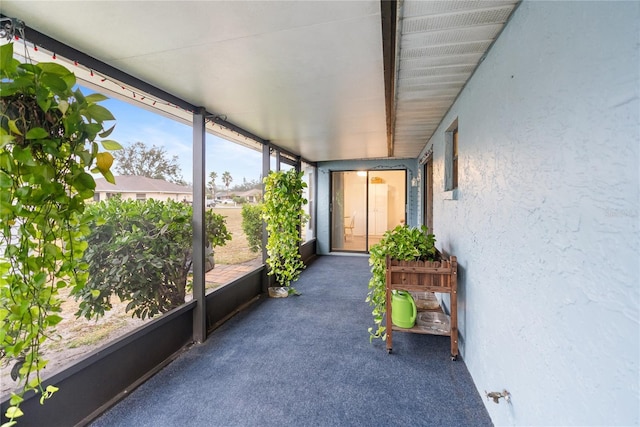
(266, 168)
(198, 256)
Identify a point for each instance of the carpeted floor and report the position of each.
(307, 361)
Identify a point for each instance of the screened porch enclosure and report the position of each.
(537, 199)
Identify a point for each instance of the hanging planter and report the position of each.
(49, 141)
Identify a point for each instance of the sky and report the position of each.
(135, 124)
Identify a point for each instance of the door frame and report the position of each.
(427, 194)
(336, 224)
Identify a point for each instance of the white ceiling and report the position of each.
(305, 75)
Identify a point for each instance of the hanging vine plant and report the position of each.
(283, 214)
(48, 141)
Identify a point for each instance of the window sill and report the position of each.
(450, 195)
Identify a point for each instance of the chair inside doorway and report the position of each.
(349, 223)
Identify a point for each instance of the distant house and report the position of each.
(251, 196)
(224, 195)
(142, 188)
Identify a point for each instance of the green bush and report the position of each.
(252, 225)
(141, 251)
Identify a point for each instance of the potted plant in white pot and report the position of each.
(283, 214)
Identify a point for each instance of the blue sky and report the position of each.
(136, 124)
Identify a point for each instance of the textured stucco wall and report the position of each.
(546, 221)
(324, 198)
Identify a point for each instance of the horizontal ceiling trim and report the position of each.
(441, 61)
(388, 11)
(456, 19)
(460, 35)
(446, 50)
(417, 8)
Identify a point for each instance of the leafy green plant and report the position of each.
(402, 243)
(49, 134)
(282, 212)
(252, 225)
(141, 251)
(215, 228)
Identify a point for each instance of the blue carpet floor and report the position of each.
(307, 361)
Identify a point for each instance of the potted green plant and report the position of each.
(283, 214)
(402, 243)
(49, 141)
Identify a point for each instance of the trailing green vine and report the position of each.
(283, 214)
(403, 243)
(48, 133)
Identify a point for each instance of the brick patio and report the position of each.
(225, 273)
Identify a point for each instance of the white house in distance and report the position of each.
(142, 188)
(252, 196)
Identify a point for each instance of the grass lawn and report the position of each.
(236, 250)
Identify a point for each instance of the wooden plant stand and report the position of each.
(426, 277)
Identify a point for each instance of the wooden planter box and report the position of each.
(422, 279)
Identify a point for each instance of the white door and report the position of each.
(378, 208)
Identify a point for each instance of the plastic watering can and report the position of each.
(403, 309)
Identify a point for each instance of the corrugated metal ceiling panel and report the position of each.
(441, 44)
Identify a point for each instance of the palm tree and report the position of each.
(212, 183)
(226, 178)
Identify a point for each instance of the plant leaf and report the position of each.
(13, 412)
(53, 82)
(13, 128)
(63, 106)
(52, 389)
(107, 132)
(37, 133)
(109, 177)
(99, 113)
(109, 144)
(6, 55)
(84, 181)
(96, 97)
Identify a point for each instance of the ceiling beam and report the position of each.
(388, 9)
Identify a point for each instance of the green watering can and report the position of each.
(403, 309)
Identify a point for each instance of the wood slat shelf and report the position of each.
(431, 322)
(422, 279)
